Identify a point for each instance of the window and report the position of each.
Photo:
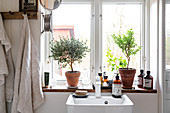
(167, 35)
(117, 18)
(95, 21)
(72, 20)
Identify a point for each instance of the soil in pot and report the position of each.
(127, 76)
(72, 78)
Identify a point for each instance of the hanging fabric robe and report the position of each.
(27, 85)
(6, 69)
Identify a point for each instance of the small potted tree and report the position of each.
(67, 52)
(128, 46)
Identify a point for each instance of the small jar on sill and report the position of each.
(106, 81)
(140, 79)
(148, 81)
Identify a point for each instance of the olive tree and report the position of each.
(67, 51)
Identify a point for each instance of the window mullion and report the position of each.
(143, 57)
(100, 37)
(96, 37)
(92, 46)
(147, 34)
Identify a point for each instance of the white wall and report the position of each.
(55, 102)
(14, 28)
(144, 102)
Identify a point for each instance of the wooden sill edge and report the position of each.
(103, 90)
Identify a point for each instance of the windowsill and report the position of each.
(63, 88)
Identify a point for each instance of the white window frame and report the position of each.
(91, 39)
(96, 34)
(144, 32)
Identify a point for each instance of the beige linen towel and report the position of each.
(27, 86)
(2, 80)
(6, 69)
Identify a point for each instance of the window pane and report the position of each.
(72, 20)
(117, 19)
(167, 35)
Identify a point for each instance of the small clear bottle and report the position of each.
(148, 81)
(116, 87)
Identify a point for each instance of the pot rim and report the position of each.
(72, 72)
(127, 69)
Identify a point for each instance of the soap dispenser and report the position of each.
(116, 87)
(98, 87)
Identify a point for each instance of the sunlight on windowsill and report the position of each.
(62, 84)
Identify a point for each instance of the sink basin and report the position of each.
(104, 104)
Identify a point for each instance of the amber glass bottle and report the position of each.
(140, 79)
(148, 81)
(106, 82)
(101, 78)
(105, 79)
(116, 88)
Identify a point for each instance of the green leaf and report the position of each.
(127, 43)
(68, 50)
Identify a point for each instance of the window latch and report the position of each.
(92, 68)
(101, 16)
(100, 68)
(144, 59)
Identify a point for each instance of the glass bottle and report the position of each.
(106, 81)
(101, 78)
(140, 79)
(148, 81)
(116, 87)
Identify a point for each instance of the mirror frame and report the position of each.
(48, 8)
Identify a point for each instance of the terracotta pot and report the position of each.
(72, 78)
(127, 76)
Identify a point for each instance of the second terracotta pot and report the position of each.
(72, 78)
(127, 76)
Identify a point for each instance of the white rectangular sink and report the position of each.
(105, 104)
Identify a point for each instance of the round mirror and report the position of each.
(50, 4)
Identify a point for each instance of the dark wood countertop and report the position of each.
(135, 90)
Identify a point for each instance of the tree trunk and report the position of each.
(128, 62)
(71, 66)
